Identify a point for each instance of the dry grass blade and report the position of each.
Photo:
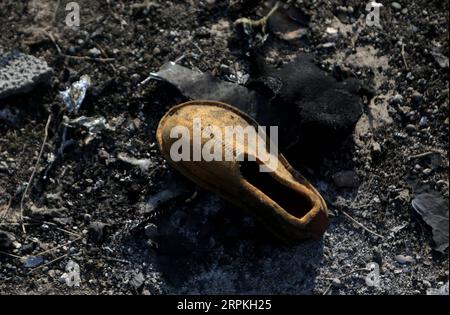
(22, 200)
(361, 225)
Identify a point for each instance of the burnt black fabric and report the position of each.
(311, 107)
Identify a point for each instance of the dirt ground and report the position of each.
(88, 206)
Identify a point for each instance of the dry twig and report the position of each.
(59, 246)
(342, 277)
(404, 57)
(361, 225)
(48, 263)
(34, 171)
(425, 154)
(261, 22)
(10, 255)
(5, 213)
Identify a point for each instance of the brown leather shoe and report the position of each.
(283, 200)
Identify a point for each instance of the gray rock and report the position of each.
(156, 51)
(20, 73)
(434, 210)
(427, 171)
(94, 52)
(397, 99)
(423, 122)
(137, 282)
(337, 282)
(411, 128)
(376, 148)
(441, 59)
(396, 5)
(135, 78)
(402, 259)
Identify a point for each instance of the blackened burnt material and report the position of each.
(314, 109)
(311, 108)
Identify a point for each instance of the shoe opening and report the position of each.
(292, 201)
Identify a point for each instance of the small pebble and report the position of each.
(94, 52)
(402, 259)
(396, 5)
(376, 148)
(423, 122)
(397, 99)
(156, 51)
(427, 171)
(411, 128)
(137, 282)
(135, 78)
